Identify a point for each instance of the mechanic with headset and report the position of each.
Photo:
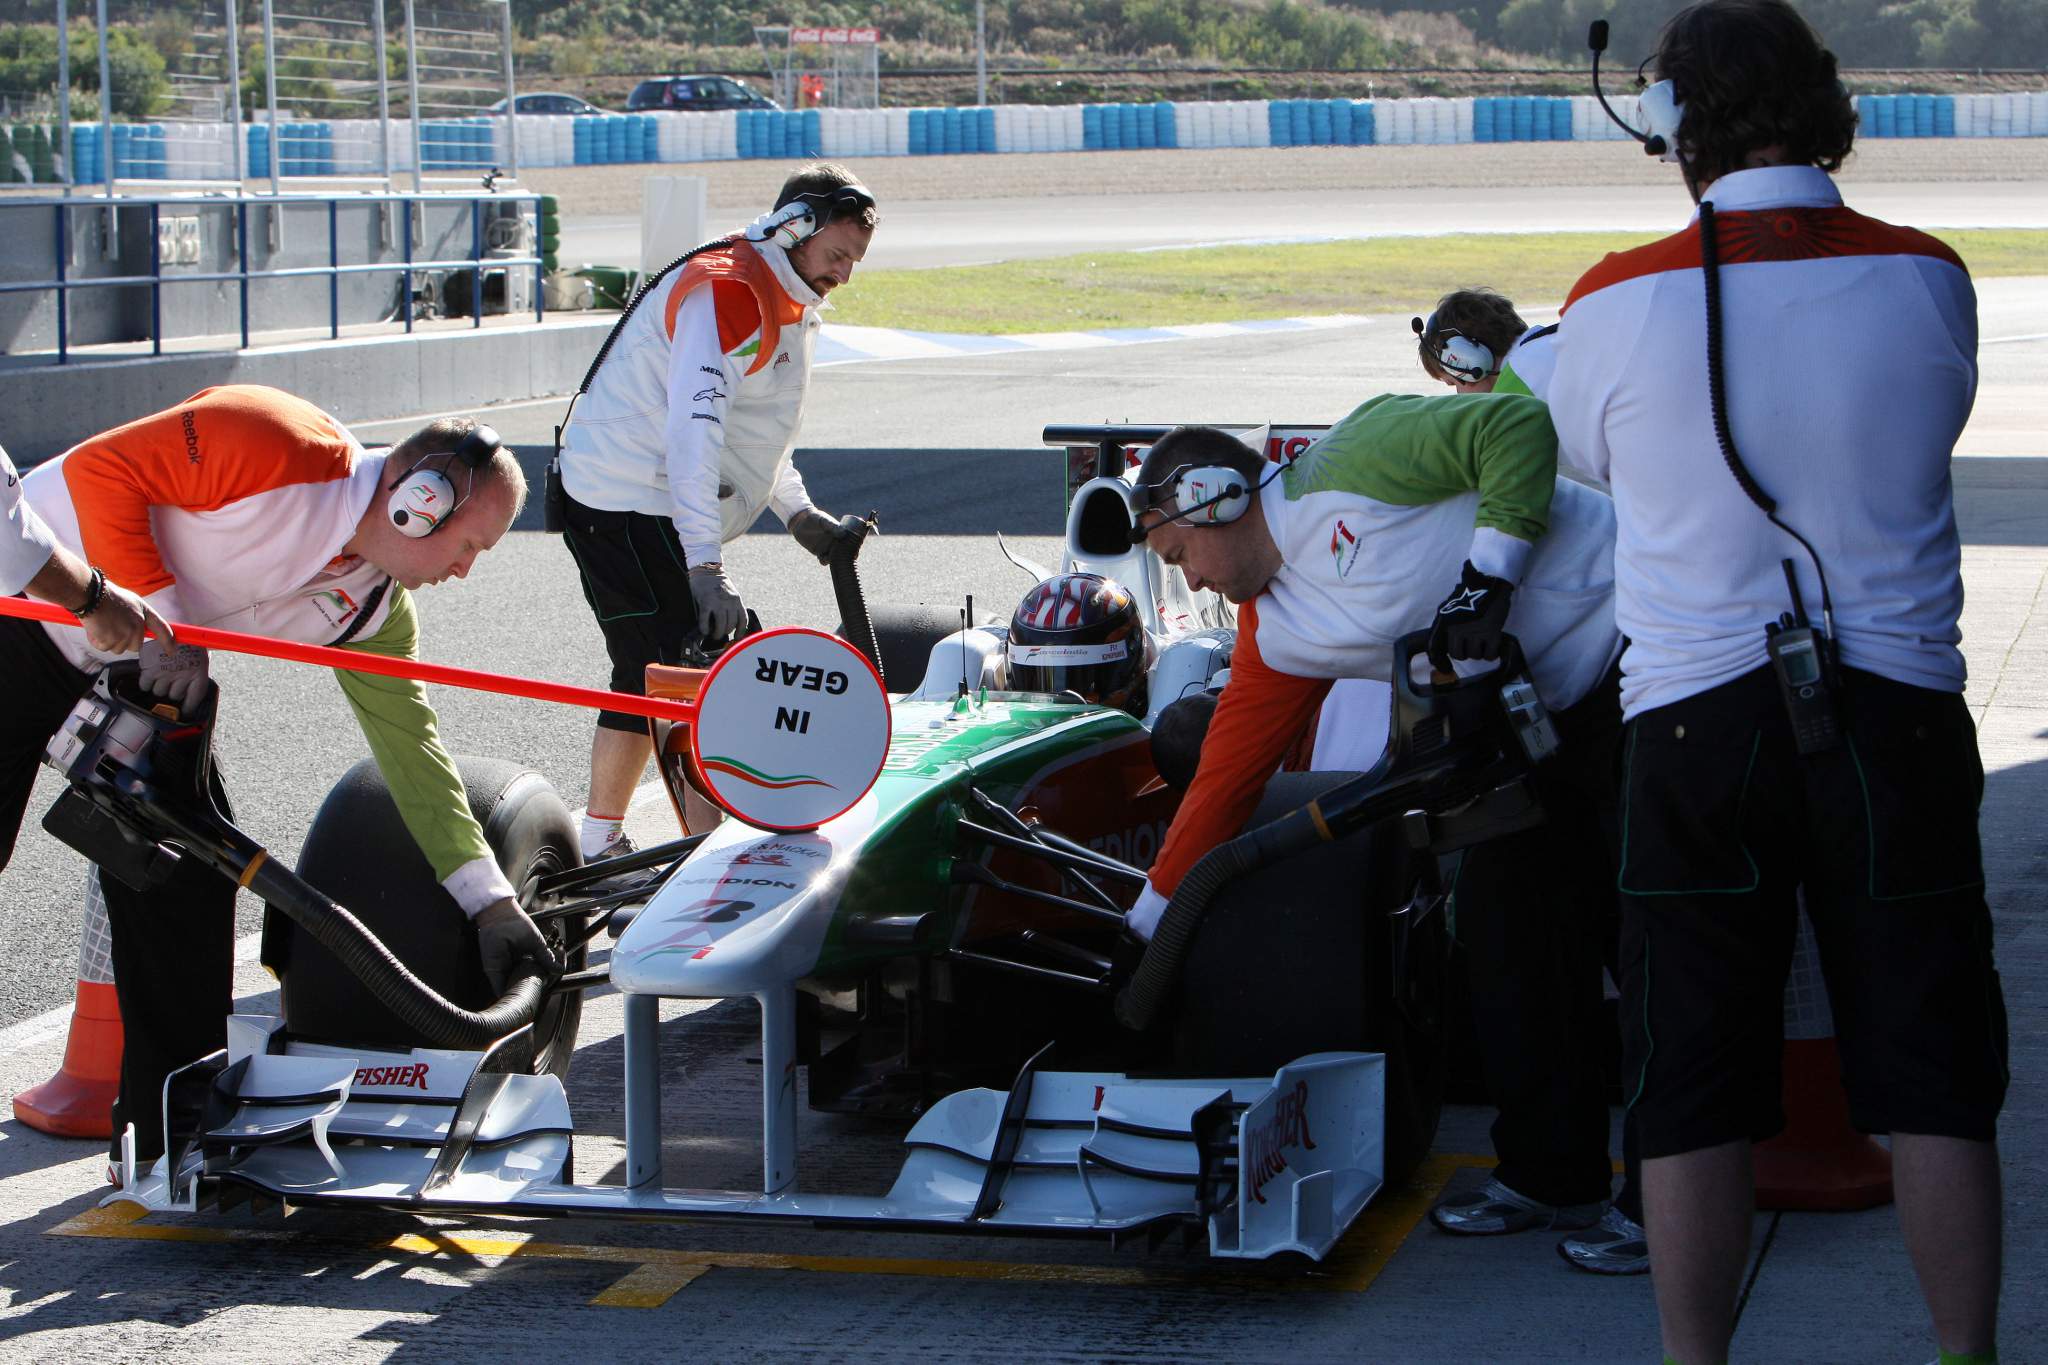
(1329, 559)
(681, 435)
(32, 562)
(1767, 750)
(1476, 342)
(250, 509)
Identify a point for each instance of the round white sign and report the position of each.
(792, 727)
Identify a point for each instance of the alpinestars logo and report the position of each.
(1463, 600)
(1343, 548)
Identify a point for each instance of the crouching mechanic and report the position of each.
(249, 509)
(681, 437)
(1332, 560)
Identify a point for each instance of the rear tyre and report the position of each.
(359, 854)
(1302, 957)
(904, 636)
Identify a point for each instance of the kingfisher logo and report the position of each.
(412, 1077)
(1343, 548)
(1267, 1145)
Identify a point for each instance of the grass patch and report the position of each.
(1243, 283)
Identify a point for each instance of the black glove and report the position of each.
(505, 937)
(819, 532)
(1471, 620)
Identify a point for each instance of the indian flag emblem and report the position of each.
(1343, 548)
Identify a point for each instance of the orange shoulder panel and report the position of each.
(220, 445)
(765, 305)
(1679, 251)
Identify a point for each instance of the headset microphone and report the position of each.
(1658, 104)
(1458, 355)
(810, 213)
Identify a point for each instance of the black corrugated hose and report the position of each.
(852, 602)
(439, 1021)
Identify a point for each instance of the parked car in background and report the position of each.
(696, 93)
(550, 102)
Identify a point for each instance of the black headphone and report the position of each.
(1658, 104)
(811, 212)
(1215, 489)
(422, 500)
(1457, 354)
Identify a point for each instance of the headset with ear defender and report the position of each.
(422, 500)
(1208, 495)
(811, 213)
(1457, 354)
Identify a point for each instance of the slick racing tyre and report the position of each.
(1308, 955)
(904, 636)
(359, 854)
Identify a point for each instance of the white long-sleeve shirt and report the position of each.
(25, 542)
(1849, 354)
(695, 411)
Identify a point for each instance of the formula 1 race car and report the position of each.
(923, 892)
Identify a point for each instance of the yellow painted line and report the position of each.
(658, 1273)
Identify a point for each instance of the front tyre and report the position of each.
(360, 854)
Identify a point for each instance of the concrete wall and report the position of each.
(51, 407)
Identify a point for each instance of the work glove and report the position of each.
(1471, 621)
(819, 531)
(720, 613)
(1143, 919)
(174, 672)
(505, 937)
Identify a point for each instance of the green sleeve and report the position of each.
(405, 739)
(1510, 382)
(1407, 450)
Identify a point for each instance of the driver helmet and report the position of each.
(1080, 633)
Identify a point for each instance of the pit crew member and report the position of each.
(32, 562)
(250, 509)
(1329, 559)
(1871, 803)
(1476, 342)
(683, 436)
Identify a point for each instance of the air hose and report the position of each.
(437, 1020)
(846, 592)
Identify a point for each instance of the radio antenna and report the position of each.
(965, 615)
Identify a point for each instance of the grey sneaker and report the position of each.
(1496, 1210)
(1616, 1246)
(617, 848)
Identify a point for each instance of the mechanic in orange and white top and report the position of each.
(682, 436)
(1332, 559)
(248, 509)
(32, 562)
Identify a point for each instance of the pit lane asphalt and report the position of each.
(938, 448)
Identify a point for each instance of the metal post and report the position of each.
(64, 148)
(383, 95)
(980, 51)
(333, 268)
(242, 262)
(511, 105)
(476, 253)
(156, 277)
(405, 291)
(106, 113)
(643, 1091)
(778, 1088)
(270, 95)
(412, 90)
(63, 289)
(239, 155)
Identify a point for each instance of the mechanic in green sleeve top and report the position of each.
(1331, 560)
(250, 509)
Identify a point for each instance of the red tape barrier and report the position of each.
(355, 661)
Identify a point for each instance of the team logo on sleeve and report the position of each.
(1343, 548)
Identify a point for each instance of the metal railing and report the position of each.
(476, 264)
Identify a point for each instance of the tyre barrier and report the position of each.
(202, 151)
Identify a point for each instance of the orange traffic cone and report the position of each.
(1819, 1163)
(78, 1101)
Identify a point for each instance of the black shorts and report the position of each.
(638, 585)
(1722, 825)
